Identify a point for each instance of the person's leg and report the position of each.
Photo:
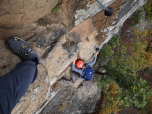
(15, 84)
(74, 76)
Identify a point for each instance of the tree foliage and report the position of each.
(124, 60)
(149, 105)
(138, 54)
(148, 10)
(135, 18)
(56, 9)
(111, 100)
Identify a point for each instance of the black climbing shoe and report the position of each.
(22, 49)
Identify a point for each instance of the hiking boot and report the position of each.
(22, 49)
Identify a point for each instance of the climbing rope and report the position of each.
(108, 12)
(98, 49)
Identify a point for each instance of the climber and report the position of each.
(14, 84)
(83, 71)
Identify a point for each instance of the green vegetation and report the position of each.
(56, 9)
(62, 107)
(121, 70)
(43, 21)
(127, 55)
(149, 105)
(136, 17)
(111, 100)
(148, 10)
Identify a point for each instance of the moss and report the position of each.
(62, 107)
(43, 21)
(56, 9)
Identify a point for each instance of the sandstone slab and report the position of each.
(14, 13)
(71, 100)
(84, 29)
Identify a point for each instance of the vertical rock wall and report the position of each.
(89, 41)
(57, 48)
(71, 100)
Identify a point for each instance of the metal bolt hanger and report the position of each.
(107, 11)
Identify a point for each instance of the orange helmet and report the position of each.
(79, 63)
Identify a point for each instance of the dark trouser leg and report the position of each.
(15, 84)
(74, 76)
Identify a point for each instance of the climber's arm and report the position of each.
(76, 69)
(92, 63)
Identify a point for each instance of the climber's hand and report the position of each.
(96, 54)
(75, 60)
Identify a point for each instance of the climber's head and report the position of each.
(79, 63)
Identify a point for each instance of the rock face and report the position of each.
(71, 100)
(57, 47)
(14, 13)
